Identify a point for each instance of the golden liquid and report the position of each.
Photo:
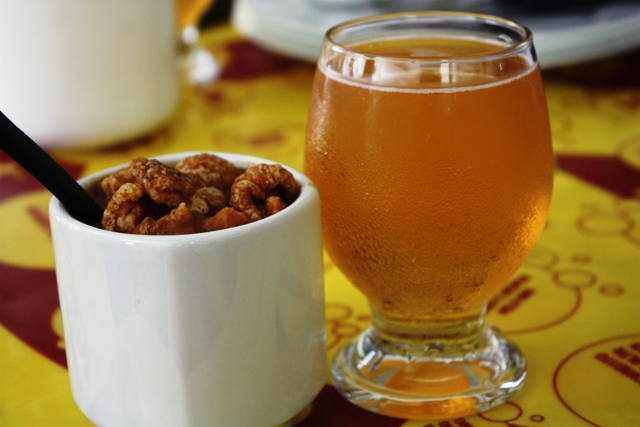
(190, 11)
(431, 199)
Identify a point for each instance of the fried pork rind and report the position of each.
(208, 201)
(178, 221)
(260, 182)
(152, 198)
(111, 183)
(127, 208)
(164, 184)
(243, 194)
(273, 205)
(225, 218)
(207, 170)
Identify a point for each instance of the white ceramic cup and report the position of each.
(87, 72)
(216, 329)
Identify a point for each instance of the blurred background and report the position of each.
(565, 31)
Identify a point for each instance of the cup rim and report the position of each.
(307, 192)
(516, 48)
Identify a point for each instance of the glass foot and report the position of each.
(198, 63)
(429, 380)
(200, 66)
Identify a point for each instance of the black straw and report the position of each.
(48, 172)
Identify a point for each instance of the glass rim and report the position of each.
(510, 50)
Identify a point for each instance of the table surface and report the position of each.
(572, 308)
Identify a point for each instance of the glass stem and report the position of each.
(451, 329)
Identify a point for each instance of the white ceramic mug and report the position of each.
(87, 72)
(224, 328)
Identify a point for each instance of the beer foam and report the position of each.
(333, 75)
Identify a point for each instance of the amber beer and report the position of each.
(435, 189)
(189, 12)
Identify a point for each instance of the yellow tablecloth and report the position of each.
(573, 308)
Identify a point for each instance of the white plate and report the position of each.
(296, 27)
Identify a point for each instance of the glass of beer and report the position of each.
(199, 66)
(428, 138)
